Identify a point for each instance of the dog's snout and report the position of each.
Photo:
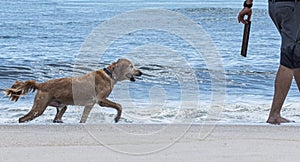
(138, 73)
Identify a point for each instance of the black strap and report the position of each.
(108, 72)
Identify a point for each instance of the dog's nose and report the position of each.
(138, 73)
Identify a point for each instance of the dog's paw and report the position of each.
(58, 121)
(117, 119)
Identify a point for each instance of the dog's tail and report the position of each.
(20, 88)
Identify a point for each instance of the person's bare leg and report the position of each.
(282, 85)
(297, 77)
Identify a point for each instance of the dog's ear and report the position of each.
(119, 60)
(113, 65)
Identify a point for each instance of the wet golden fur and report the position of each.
(86, 90)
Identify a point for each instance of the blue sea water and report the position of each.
(43, 40)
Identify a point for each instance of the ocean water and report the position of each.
(43, 40)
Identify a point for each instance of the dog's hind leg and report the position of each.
(60, 112)
(108, 103)
(86, 112)
(40, 104)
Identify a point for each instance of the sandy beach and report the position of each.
(77, 143)
(189, 54)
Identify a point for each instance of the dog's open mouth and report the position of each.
(130, 77)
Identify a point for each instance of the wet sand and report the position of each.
(118, 142)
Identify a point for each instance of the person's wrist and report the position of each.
(248, 4)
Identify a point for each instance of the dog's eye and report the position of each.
(131, 66)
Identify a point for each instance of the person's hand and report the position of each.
(241, 17)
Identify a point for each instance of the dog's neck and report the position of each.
(109, 72)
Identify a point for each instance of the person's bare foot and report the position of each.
(278, 120)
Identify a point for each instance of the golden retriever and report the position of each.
(85, 90)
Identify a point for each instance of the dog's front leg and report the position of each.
(108, 103)
(86, 112)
